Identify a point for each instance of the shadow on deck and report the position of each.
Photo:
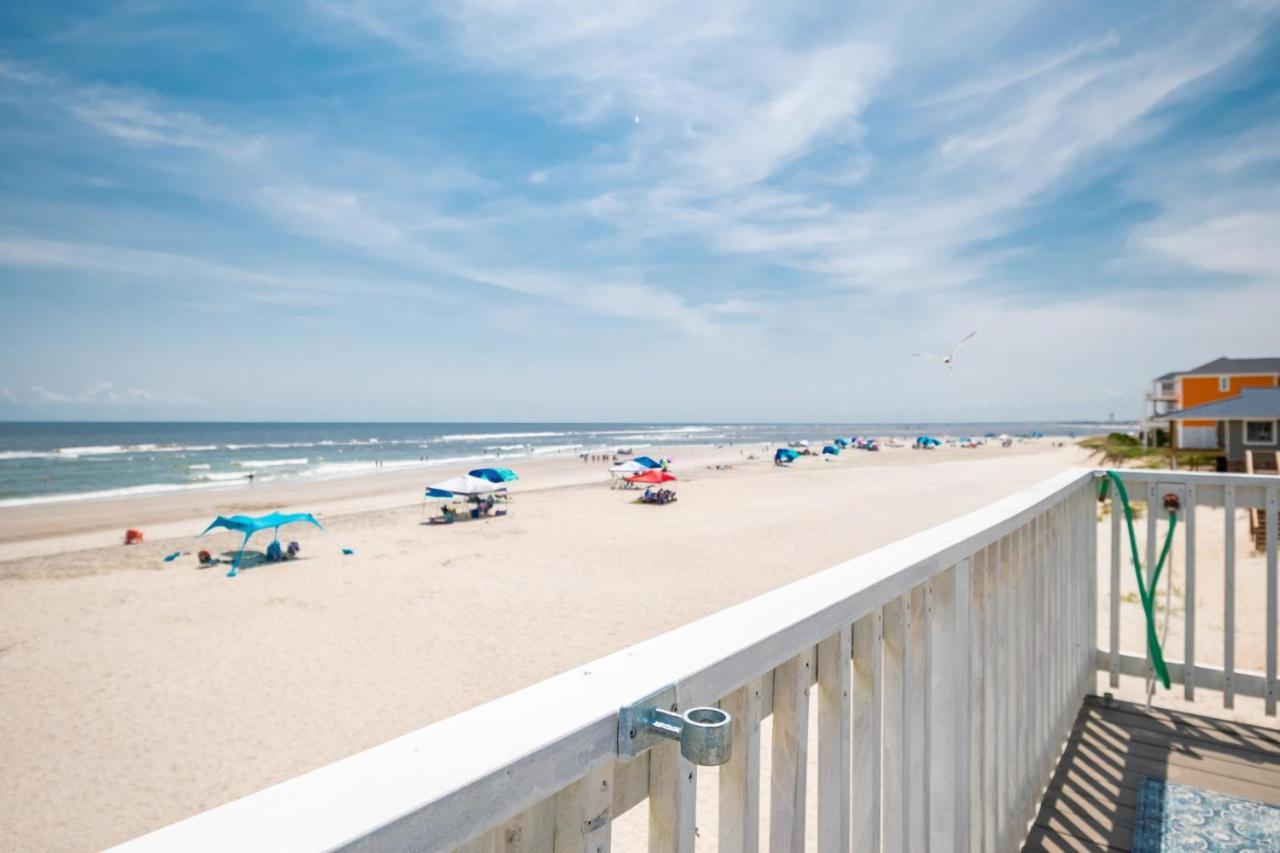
(1090, 804)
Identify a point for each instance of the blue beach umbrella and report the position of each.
(494, 475)
(840, 442)
(831, 449)
(249, 525)
(648, 461)
(785, 454)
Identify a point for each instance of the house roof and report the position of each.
(1170, 375)
(1261, 403)
(1224, 365)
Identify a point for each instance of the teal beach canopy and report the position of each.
(494, 475)
(785, 454)
(831, 450)
(248, 525)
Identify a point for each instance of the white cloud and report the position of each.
(101, 392)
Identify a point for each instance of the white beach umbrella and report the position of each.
(467, 486)
(628, 467)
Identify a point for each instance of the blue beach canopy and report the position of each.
(648, 461)
(785, 454)
(248, 525)
(831, 449)
(840, 442)
(494, 475)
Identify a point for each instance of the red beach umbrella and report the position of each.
(653, 477)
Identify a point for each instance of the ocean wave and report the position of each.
(270, 463)
(200, 466)
(104, 494)
(226, 477)
(487, 436)
(26, 454)
(557, 448)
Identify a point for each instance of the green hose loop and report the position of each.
(1147, 596)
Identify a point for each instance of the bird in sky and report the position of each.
(950, 358)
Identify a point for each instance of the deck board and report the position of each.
(1090, 803)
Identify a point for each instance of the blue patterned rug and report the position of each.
(1175, 818)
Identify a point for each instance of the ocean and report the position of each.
(60, 461)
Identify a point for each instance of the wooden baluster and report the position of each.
(790, 753)
(835, 721)
(1189, 584)
(868, 657)
(740, 777)
(584, 813)
(988, 621)
(485, 842)
(917, 682)
(1229, 597)
(894, 724)
(531, 831)
(673, 789)
(1117, 511)
(1273, 521)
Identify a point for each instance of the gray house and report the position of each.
(1248, 421)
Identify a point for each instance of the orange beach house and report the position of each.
(1218, 380)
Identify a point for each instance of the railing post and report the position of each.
(740, 778)
(868, 656)
(835, 721)
(790, 753)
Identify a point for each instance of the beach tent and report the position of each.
(785, 454)
(248, 525)
(494, 475)
(840, 442)
(652, 477)
(629, 467)
(648, 461)
(831, 450)
(463, 486)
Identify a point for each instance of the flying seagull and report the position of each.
(950, 358)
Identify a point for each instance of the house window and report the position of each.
(1224, 383)
(1259, 432)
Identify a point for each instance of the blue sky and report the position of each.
(723, 211)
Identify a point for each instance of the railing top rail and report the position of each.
(1205, 478)
(439, 786)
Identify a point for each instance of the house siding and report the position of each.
(1236, 446)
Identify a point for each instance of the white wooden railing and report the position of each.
(948, 669)
(1228, 492)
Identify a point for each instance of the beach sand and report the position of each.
(138, 692)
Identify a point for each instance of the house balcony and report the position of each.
(941, 693)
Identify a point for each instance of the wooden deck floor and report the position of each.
(1090, 802)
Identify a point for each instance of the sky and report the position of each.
(725, 211)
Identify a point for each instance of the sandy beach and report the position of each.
(138, 692)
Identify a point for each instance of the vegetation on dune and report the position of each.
(1119, 450)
